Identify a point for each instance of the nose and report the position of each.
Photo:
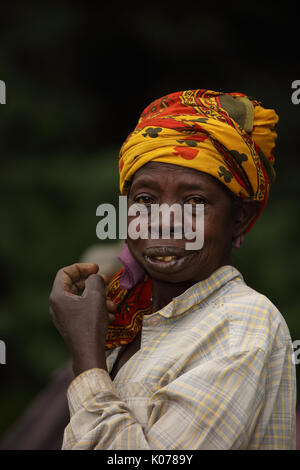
(165, 221)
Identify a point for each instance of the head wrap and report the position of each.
(226, 135)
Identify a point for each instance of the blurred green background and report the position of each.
(77, 78)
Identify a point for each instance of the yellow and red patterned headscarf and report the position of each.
(226, 135)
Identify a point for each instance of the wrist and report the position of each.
(88, 360)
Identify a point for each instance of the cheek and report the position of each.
(136, 246)
(218, 226)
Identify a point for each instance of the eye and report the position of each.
(195, 200)
(144, 199)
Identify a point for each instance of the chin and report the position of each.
(174, 271)
(171, 279)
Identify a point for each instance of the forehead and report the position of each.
(160, 174)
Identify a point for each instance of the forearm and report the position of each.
(99, 417)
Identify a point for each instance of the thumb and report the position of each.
(94, 284)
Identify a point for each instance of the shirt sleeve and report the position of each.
(212, 406)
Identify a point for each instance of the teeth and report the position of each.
(165, 258)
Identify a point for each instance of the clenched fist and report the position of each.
(82, 314)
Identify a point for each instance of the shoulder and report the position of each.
(254, 321)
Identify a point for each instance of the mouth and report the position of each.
(167, 259)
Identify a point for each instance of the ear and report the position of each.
(244, 213)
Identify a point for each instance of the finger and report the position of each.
(63, 284)
(71, 279)
(77, 273)
(111, 318)
(105, 278)
(111, 306)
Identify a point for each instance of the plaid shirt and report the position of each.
(214, 371)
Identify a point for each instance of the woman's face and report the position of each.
(158, 183)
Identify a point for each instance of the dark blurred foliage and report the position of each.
(77, 76)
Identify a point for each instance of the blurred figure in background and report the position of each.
(42, 424)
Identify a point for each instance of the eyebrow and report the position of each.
(147, 182)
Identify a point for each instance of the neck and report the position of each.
(164, 292)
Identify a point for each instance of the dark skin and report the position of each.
(78, 303)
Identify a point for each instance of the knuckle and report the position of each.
(54, 299)
(95, 276)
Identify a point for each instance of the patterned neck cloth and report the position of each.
(227, 135)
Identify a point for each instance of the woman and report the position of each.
(193, 358)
